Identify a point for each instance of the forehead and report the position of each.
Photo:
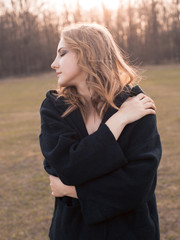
(61, 44)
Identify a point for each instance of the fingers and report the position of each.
(51, 181)
(140, 96)
(147, 100)
(150, 105)
(54, 194)
(144, 98)
(150, 111)
(50, 177)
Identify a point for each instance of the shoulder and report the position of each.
(127, 91)
(136, 90)
(142, 135)
(147, 123)
(52, 107)
(143, 128)
(146, 126)
(141, 131)
(53, 102)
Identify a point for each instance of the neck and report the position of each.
(85, 92)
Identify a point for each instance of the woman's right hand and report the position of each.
(136, 107)
(131, 110)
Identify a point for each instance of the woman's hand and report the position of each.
(131, 110)
(60, 190)
(136, 107)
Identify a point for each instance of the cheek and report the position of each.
(72, 67)
(75, 69)
(69, 66)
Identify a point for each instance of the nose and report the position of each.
(55, 64)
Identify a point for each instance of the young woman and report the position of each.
(100, 142)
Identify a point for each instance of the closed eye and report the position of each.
(63, 53)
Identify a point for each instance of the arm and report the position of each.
(48, 168)
(60, 190)
(77, 161)
(124, 189)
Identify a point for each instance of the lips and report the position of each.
(58, 73)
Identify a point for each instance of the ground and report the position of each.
(26, 201)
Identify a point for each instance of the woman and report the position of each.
(100, 142)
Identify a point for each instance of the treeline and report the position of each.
(149, 31)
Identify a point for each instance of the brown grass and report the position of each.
(25, 199)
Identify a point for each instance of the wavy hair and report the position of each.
(99, 56)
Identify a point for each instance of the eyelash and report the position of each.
(62, 54)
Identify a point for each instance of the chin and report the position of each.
(64, 83)
(61, 83)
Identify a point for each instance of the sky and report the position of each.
(87, 4)
(57, 5)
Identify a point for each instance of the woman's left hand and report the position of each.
(59, 189)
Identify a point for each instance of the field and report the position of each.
(26, 203)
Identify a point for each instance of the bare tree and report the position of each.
(176, 29)
(148, 30)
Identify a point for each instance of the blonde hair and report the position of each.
(99, 56)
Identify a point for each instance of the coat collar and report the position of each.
(75, 119)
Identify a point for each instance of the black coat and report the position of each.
(115, 180)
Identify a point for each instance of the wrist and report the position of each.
(116, 124)
(66, 190)
(70, 191)
(122, 118)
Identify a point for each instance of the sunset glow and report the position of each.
(88, 4)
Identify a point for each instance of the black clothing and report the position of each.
(115, 180)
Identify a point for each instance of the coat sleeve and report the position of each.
(125, 188)
(50, 170)
(75, 160)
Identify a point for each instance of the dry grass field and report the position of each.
(26, 203)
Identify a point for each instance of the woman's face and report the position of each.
(65, 65)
